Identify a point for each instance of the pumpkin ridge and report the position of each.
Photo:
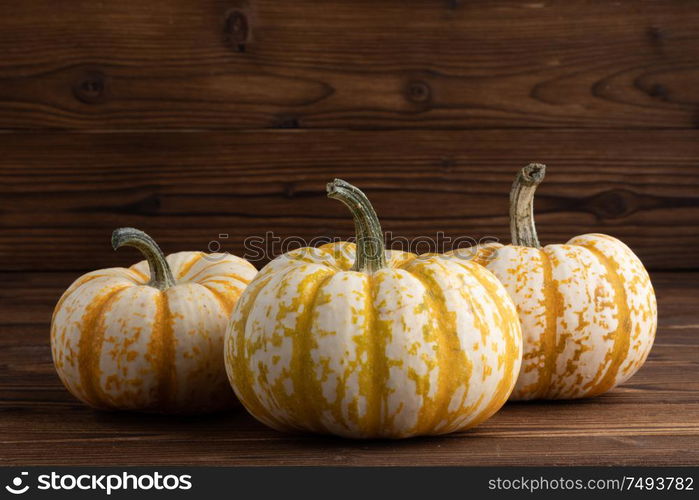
(451, 373)
(561, 337)
(162, 351)
(236, 369)
(381, 336)
(375, 357)
(266, 387)
(622, 341)
(194, 277)
(399, 260)
(144, 277)
(339, 287)
(305, 381)
(86, 278)
(391, 332)
(337, 249)
(184, 269)
(296, 402)
(506, 316)
(642, 312)
(485, 253)
(92, 328)
(226, 304)
(553, 301)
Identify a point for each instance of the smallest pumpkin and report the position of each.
(150, 337)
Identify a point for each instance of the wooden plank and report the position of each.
(61, 194)
(361, 64)
(651, 420)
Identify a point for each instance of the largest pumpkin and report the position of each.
(363, 342)
(587, 307)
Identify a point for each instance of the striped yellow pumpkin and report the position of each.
(363, 342)
(150, 337)
(587, 307)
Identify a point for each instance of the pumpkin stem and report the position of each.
(160, 273)
(522, 225)
(371, 254)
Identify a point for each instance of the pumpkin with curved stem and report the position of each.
(587, 307)
(150, 337)
(362, 342)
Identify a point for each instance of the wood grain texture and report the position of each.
(62, 194)
(651, 420)
(363, 64)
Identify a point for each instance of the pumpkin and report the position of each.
(150, 337)
(587, 307)
(362, 342)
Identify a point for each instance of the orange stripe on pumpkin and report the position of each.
(553, 306)
(450, 375)
(184, 268)
(622, 343)
(92, 329)
(228, 299)
(73, 288)
(162, 352)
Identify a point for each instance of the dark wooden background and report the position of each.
(190, 119)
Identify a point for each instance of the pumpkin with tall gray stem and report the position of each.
(587, 307)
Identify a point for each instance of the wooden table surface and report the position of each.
(653, 419)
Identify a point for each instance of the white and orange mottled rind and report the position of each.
(118, 343)
(588, 314)
(422, 346)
